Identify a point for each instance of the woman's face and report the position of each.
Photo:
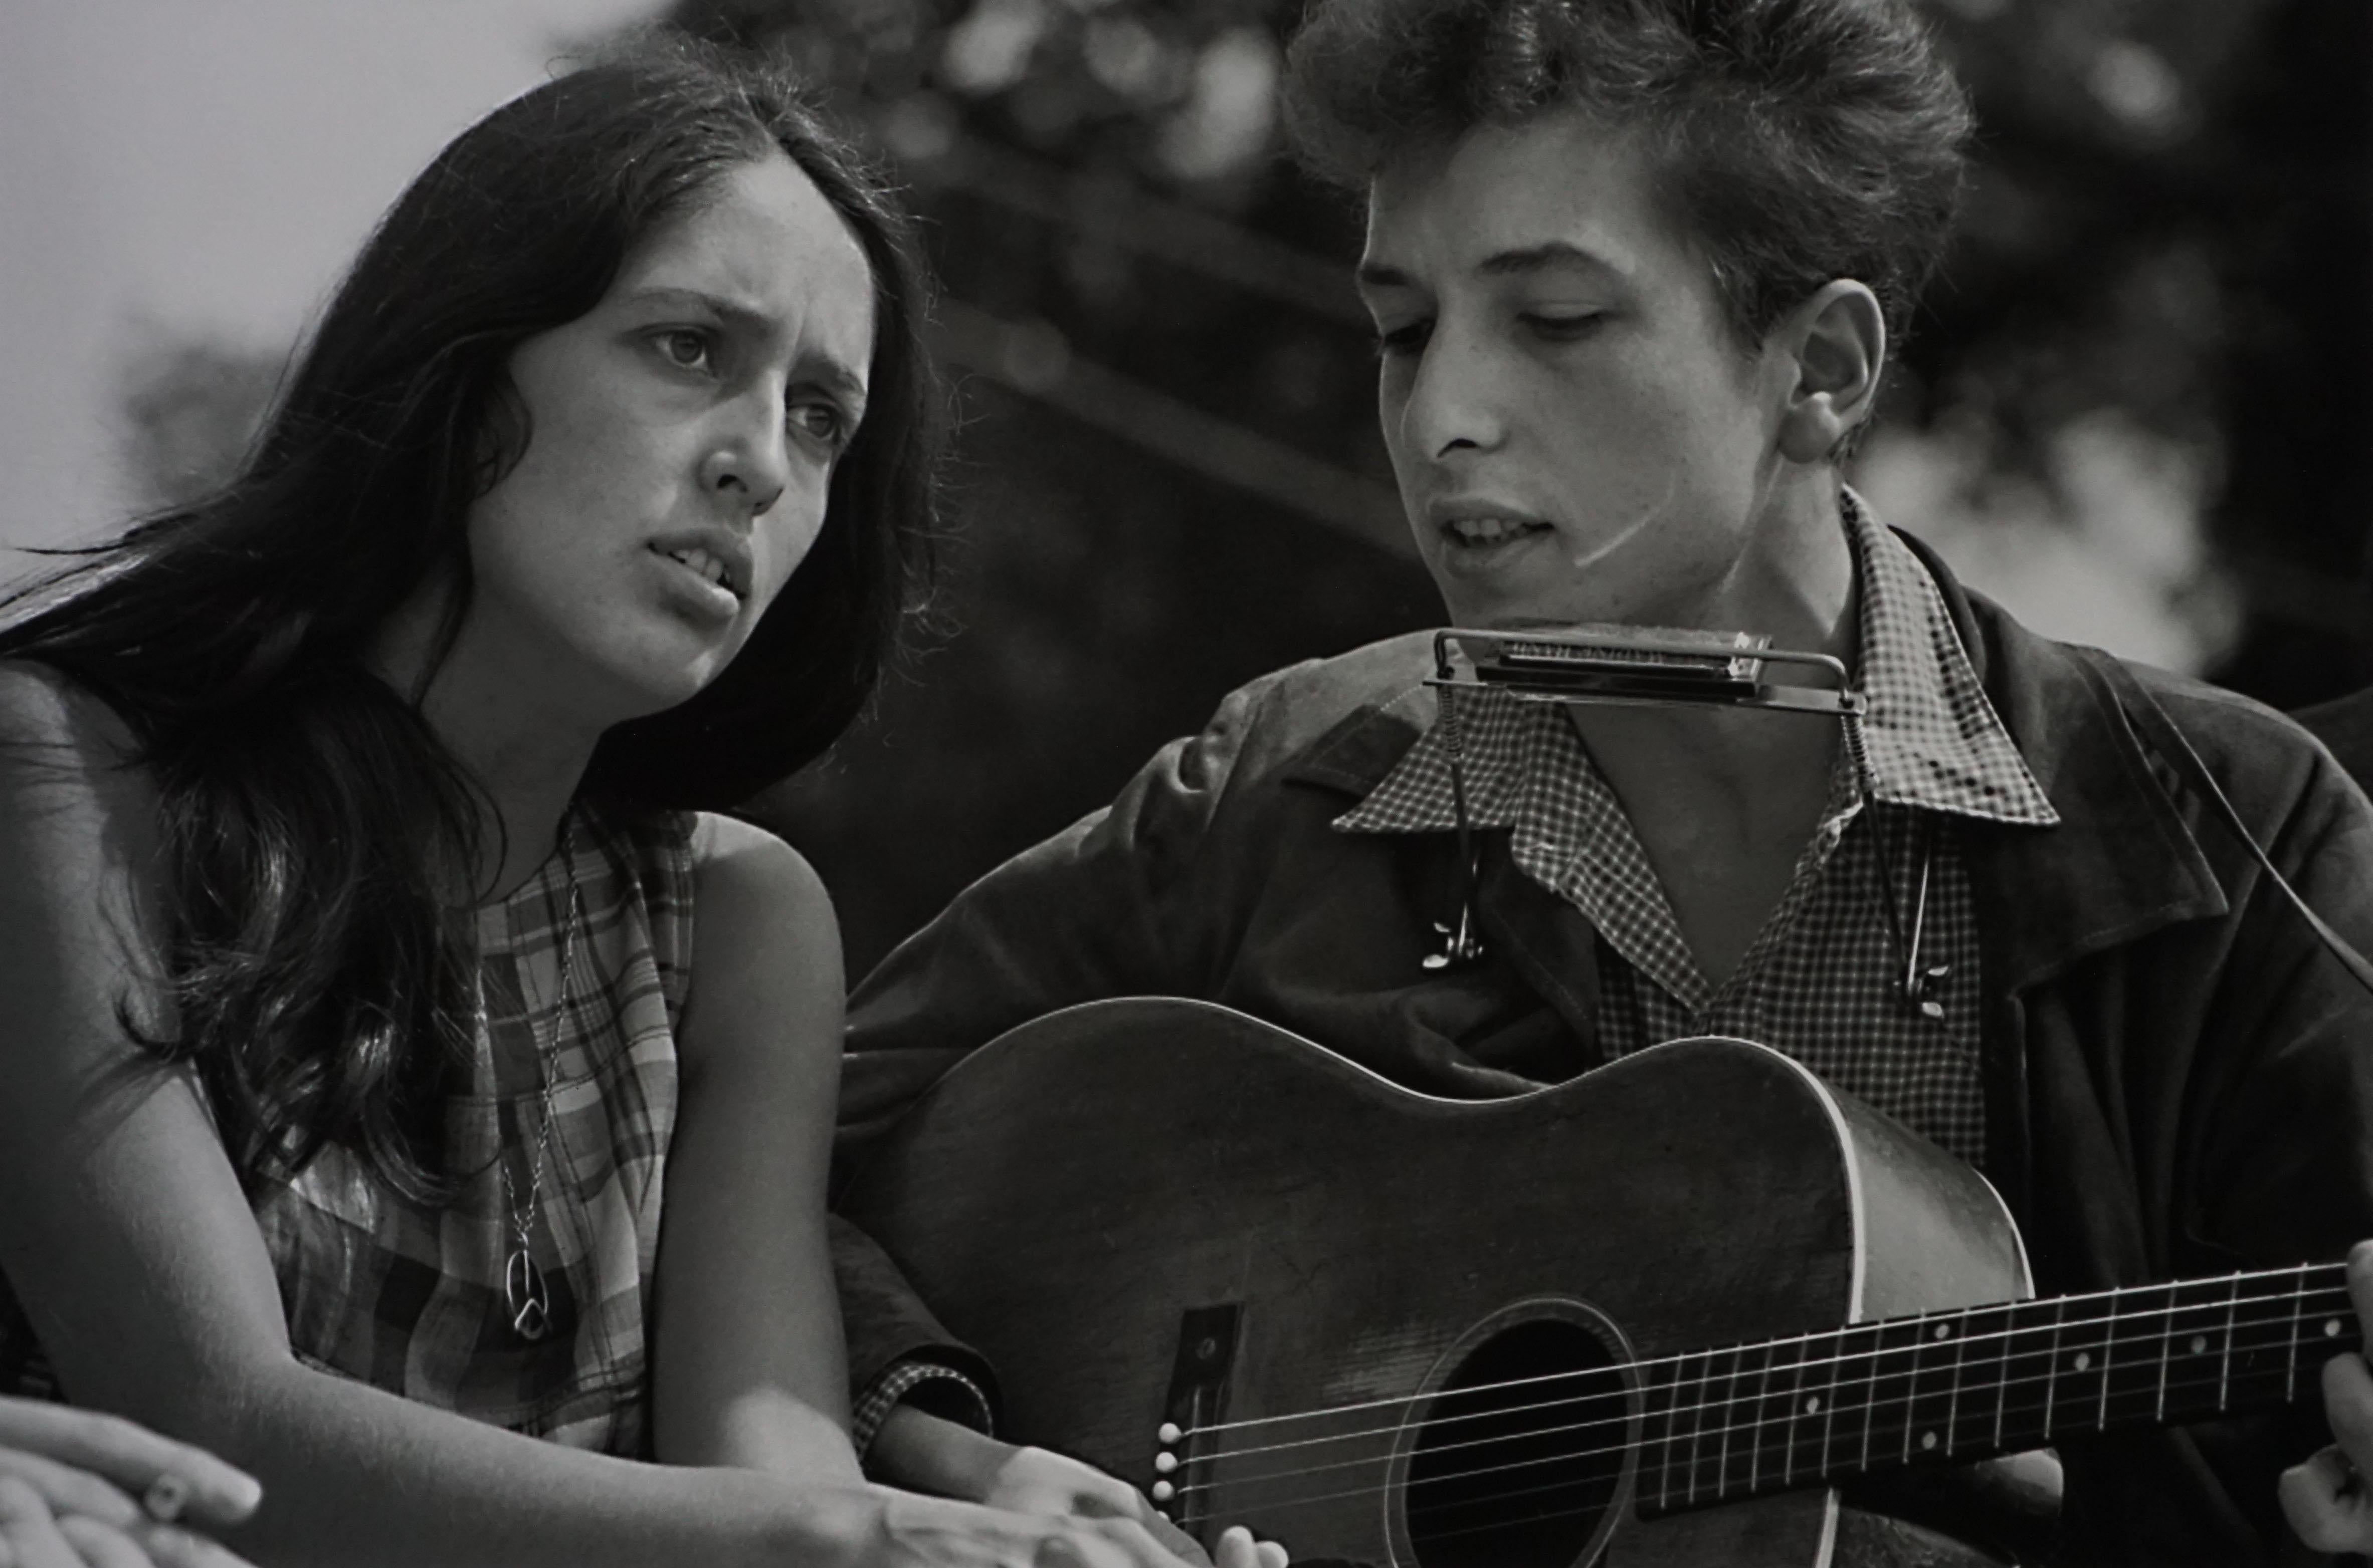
(682, 436)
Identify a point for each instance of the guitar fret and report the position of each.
(1795, 1407)
(1729, 1421)
(2122, 1357)
(2290, 1364)
(2108, 1351)
(2225, 1358)
(1960, 1362)
(2052, 1377)
(1697, 1423)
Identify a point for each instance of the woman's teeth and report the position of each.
(1491, 530)
(704, 563)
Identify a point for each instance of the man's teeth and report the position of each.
(1488, 530)
(702, 562)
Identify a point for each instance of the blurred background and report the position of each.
(2136, 409)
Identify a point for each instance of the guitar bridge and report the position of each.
(1197, 1403)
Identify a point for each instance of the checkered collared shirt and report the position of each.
(1821, 980)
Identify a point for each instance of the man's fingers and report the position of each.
(1273, 1555)
(2326, 1503)
(131, 1456)
(31, 1530)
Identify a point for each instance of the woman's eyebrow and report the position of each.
(753, 321)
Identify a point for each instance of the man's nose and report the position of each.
(1456, 399)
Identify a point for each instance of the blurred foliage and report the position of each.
(2169, 235)
(2163, 271)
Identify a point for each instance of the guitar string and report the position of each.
(1719, 1490)
(2231, 1306)
(2298, 1274)
(1876, 1405)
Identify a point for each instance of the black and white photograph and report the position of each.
(1186, 783)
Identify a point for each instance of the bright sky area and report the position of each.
(177, 169)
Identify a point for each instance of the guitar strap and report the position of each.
(2144, 711)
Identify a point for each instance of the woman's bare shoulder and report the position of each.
(70, 772)
(42, 706)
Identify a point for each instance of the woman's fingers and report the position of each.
(1239, 1549)
(103, 1546)
(172, 1478)
(70, 1490)
(31, 1530)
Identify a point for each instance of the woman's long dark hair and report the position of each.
(312, 825)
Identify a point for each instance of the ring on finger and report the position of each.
(166, 1497)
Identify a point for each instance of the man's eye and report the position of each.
(1392, 341)
(1558, 327)
(686, 349)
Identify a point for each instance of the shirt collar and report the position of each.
(1931, 739)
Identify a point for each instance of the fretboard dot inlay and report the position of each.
(2332, 1328)
(1812, 1404)
(2199, 1344)
(2084, 1360)
(1944, 1330)
(1927, 1440)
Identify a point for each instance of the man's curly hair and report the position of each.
(1796, 141)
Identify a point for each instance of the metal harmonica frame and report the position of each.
(1635, 668)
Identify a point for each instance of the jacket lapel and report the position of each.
(2122, 863)
(1546, 940)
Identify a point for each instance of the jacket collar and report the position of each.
(2122, 863)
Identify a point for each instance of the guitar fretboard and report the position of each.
(1959, 1386)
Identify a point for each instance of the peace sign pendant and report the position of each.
(528, 1297)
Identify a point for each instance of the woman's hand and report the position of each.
(917, 1450)
(81, 1490)
(930, 1532)
(2325, 1498)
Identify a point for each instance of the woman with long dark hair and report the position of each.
(411, 1094)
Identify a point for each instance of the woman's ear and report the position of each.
(1838, 339)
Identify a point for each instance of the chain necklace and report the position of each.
(524, 1290)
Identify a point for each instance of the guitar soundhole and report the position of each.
(1521, 1452)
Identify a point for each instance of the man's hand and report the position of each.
(2325, 1498)
(78, 1489)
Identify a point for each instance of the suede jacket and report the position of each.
(2179, 1079)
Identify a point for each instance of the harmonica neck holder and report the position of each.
(1624, 666)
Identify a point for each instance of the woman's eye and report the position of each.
(686, 349)
(823, 422)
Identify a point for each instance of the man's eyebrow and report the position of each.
(1499, 264)
(749, 319)
(1535, 258)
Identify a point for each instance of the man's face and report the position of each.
(1576, 433)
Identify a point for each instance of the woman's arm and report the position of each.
(747, 1365)
(132, 1248)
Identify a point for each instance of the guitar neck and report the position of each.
(1962, 1384)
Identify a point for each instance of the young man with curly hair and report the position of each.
(1636, 268)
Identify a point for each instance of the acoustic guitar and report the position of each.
(1655, 1315)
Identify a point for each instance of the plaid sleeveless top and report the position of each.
(410, 1297)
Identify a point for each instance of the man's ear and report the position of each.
(1838, 339)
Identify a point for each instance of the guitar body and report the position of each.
(1152, 1211)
